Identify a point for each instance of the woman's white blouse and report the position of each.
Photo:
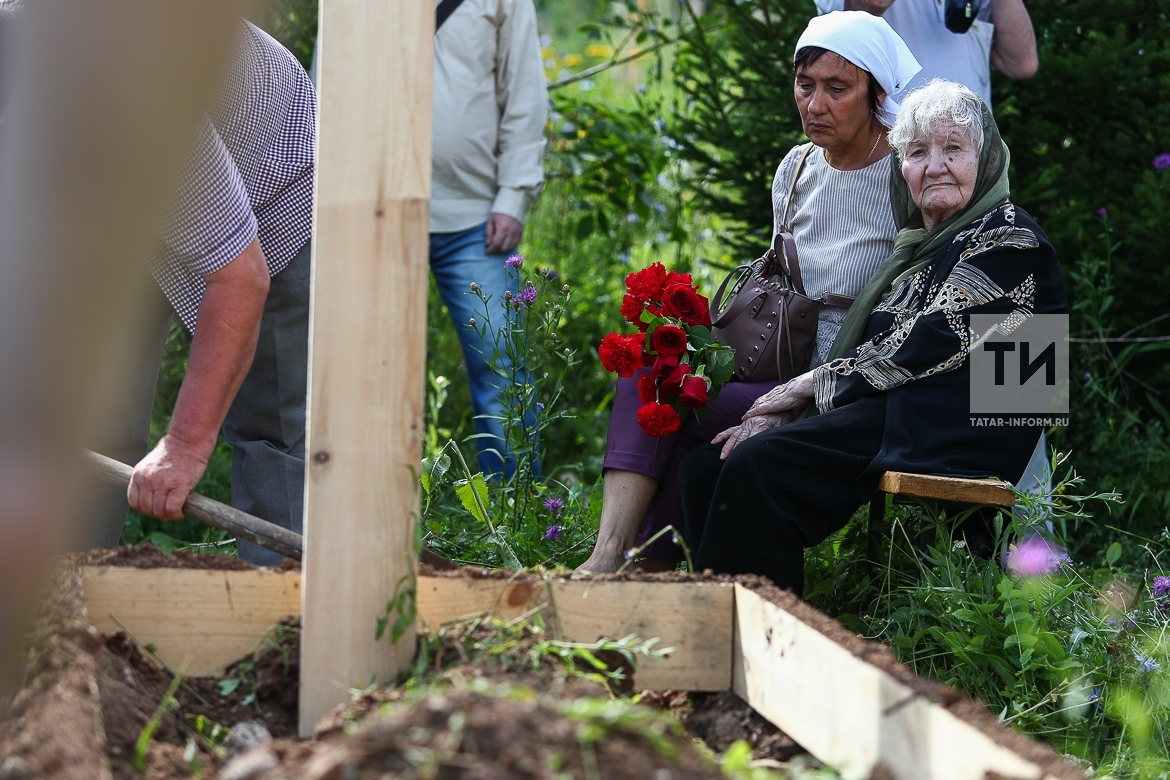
(843, 225)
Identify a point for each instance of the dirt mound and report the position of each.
(502, 732)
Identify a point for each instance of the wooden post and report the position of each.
(367, 340)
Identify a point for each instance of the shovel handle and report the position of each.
(245, 526)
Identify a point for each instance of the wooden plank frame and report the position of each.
(799, 669)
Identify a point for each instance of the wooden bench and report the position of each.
(931, 491)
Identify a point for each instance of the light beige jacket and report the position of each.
(491, 107)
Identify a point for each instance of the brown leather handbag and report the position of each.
(768, 319)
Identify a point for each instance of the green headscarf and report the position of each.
(914, 246)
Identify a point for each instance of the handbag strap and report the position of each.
(741, 303)
(792, 186)
(784, 244)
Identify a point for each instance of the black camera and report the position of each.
(961, 14)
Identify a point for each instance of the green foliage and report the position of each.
(525, 519)
(1077, 657)
(294, 24)
(1116, 443)
(401, 610)
(1084, 133)
(737, 118)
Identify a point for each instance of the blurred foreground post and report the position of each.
(367, 342)
(107, 96)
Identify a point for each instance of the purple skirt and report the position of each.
(627, 448)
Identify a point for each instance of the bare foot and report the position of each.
(601, 562)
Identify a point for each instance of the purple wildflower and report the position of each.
(1102, 212)
(1034, 556)
(515, 261)
(1161, 587)
(1160, 591)
(539, 407)
(1162, 161)
(527, 296)
(554, 506)
(1087, 377)
(553, 532)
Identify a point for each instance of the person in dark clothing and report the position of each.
(895, 392)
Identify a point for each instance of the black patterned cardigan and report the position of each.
(917, 343)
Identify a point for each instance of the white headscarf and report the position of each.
(871, 44)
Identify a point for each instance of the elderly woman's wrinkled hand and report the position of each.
(788, 397)
(749, 428)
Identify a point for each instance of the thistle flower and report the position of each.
(528, 295)
(1161, 587)
(553, 532)
(515, 261)
(1102, 212)
(1034, 556)
(1162, 161)
(1160, 590)
(555, 506)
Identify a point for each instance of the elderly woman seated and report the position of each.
(894, 394)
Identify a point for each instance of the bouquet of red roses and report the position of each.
(687, 366)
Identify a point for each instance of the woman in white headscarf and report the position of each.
(849, 66)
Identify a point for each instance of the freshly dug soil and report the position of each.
(132, 685)
(722, 718)
(52, 726)
(147, 556)
(497, 735)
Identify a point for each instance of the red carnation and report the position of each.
(647, 388)
(648, 283)
(677, 278)
(658, 419)
(694, 392)
(632, 311)
(621, 354)
(684, 302)
(669, 340)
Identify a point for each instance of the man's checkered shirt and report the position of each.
(250, 174)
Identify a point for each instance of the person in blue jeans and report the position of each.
(490, 111)
(459, 259)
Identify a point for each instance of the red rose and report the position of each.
(647, 388)
(672, 380)
(684, 302)
(621, 354)
(632, 311)
(669, 340)
(648, 283)
(664, 364)
(658, 419)
(694, 392)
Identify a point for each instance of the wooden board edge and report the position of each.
(198, 599)
(885, 713)
(927, 486)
